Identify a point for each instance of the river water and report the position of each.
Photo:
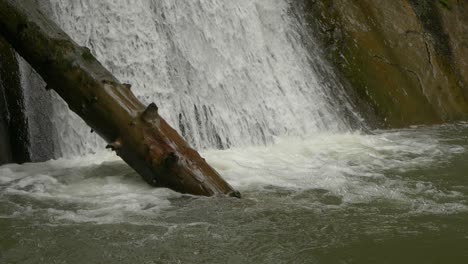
(398, 196)
(246, 84)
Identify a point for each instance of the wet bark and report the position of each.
(138, 134)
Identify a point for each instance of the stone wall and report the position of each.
(406, 58)
(14, 137)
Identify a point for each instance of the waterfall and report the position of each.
(223, 73)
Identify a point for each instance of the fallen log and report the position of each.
(138, 134)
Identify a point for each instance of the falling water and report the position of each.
(224, 73)
(236, 74)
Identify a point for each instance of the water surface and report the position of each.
(398, 196)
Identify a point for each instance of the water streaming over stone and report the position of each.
(230, 74)
(224, 73)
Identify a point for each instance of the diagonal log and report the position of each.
(138, 134)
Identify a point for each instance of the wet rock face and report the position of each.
(406, 58)
(14, 137)
(454, 19)
(5, 149)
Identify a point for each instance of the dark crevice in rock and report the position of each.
(423, 37)
(401, 67)
(429, 55)
(431, 21)
(430, 15)
(416, 79)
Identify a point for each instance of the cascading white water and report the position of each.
(325, 198)
(229, 73)
(224, 73)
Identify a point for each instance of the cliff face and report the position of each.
(14, 137)
(407, 58)
(5, 148)
(26, 130)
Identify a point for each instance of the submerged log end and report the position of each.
(235, 194)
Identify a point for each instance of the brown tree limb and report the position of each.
(138, 134)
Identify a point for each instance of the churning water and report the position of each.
(334, 198)
(224, 73)
(235, 74)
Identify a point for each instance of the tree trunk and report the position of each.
(136, 133)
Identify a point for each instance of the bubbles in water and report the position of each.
(329, 170)
(224, 73)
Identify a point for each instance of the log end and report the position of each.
(235, 194)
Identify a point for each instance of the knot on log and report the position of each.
(108, 82)
(86, 54)
(83, 108)
(171, 159)
(154, 182)
(150, 113)
(114, 146)
(128, 86)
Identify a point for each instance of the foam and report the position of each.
(351, 168)
(220, 72)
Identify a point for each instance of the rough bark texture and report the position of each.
(407, 58)
(137, 133)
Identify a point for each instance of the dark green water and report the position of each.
(392, 197)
